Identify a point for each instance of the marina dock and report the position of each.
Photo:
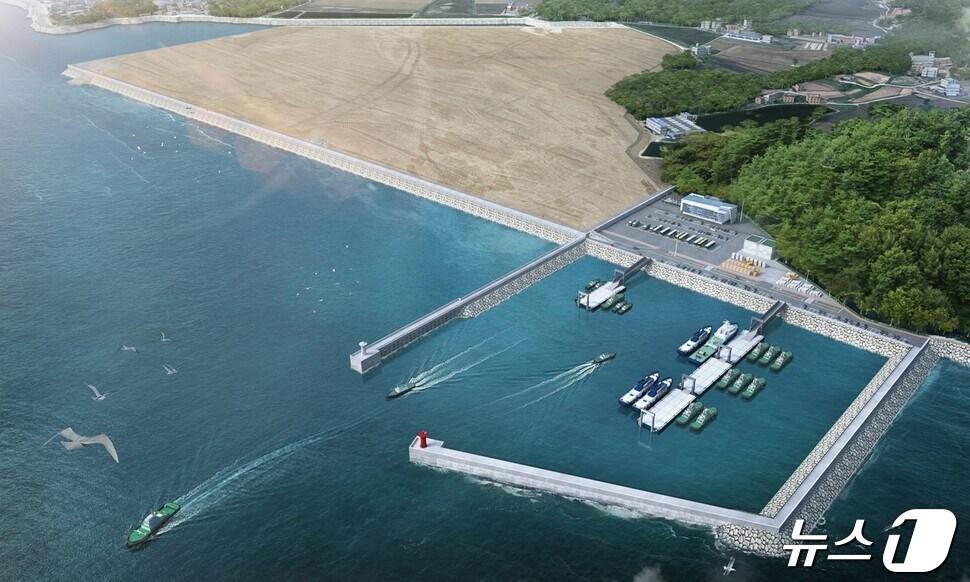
(664, 412)
(735, 350)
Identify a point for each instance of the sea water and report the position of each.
(119, 222)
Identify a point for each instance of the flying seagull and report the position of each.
(169, 369)
(125, 348)
(75, 441)
(730, 567)
(165, 339)
(97, 395)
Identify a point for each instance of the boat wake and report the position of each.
(230, 481)
(569, 375)
(443, 374)
(577, 378)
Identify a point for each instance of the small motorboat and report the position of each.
(695, 341)
(151, 524)
(654, 394)
(639, 389)
(604, 357)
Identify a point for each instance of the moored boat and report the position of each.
(781, 361)
(639, 389)
(740, 383)
(753, 388)
(605, 356)
(594, 284)
(704, 418)
(729, 376)
(690, 412)
(769, 355)
(654, 394)
(695, 341)
(626, 307)
(151, 524)
(619, 305)
(756, 352)
(608, 304)
(720, 337)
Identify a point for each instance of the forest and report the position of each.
(104, 9)
(674, 89)
(248, 8)
(877, 211)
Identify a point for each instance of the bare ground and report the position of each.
(516, 116)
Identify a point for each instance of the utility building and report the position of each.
(708, 208)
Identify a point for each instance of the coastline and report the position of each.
(372, 171)
(41, 22)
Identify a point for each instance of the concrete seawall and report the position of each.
(654, 504)
(471, 305)
(419, 187)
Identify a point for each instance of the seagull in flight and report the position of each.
(75, 441)
(126, 348)
(165, 339)
(97, 395)
(729, 568)
(169, 369)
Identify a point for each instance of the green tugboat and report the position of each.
(690, 412)
(626, 307)
(605, 356)
(609, 303)
(151, 524)
(740, 383)
(730, 376)
(759, 349)
(753, 388)
(619, 305)
(402, 389)
(592, 285)
(706, 416)
(782, 360)
(769, 355)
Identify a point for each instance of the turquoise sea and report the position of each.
(119, 222)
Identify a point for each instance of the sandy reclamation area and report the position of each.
(513, 115)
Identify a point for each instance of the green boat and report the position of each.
(730, 376)
(402, 389)
(609, 303)
(690, 412)
(782, 360)
(769, 355)
(706, 416)
(626, 307)
(753, 388)
(604, 357)
(740, 383)
(151, 524)
(593, 284)
(619, 305)
(759, 349)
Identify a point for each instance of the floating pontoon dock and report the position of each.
(705, 375)
(670, 406)
(599, 295)
(735, 350)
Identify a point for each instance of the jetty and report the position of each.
(592, 300)
(700, 380)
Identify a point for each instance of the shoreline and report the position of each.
(420, 187)
(41, 22)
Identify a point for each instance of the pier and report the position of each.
(370, 355)
(496, 470)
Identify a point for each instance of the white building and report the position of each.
(949, 87)
(708, 208)
(759, 247)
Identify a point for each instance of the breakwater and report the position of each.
(470, 305)
(419, 187)
(435, 455)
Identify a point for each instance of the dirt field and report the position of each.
(761, 58)
(883, 93)
(516, 116)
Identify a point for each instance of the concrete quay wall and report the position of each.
(419, 187)
(570, 486)
(951, 349)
